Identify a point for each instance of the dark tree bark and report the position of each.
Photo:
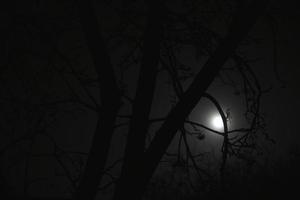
(142, 104)
(110, 104)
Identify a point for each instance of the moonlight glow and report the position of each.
(217, 122)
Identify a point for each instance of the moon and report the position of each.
(217, 122)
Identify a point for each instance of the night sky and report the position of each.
(79, 120)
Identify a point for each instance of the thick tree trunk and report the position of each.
(110, 103)
(133, 170)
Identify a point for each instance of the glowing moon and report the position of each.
(217, 122)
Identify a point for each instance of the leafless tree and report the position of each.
(150, 37)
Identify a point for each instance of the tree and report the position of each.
(151, 38)
(110, 103)
(136, 175)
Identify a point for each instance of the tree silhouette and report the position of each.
(135, 175)
(149, 38)
(110, 103)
